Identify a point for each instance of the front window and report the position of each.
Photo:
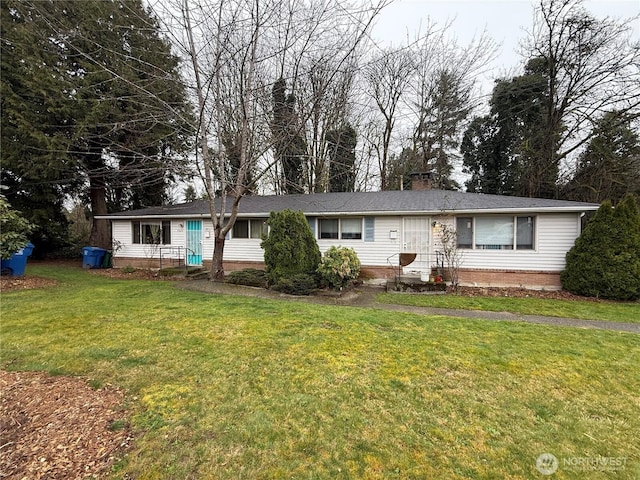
(525, 233)
(496, 232)
(343, 228)
(351, 229)
(249, 228)
(151, 233)
(464, 231)
(258, 228)
(241, 229)
(329, 228)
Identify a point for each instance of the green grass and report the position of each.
(226, 387)
(608, 311)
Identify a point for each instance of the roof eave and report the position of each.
(475, 211)
(155, 216)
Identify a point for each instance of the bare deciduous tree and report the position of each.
(237, 50)
(387, 77)
(591, 66)
(453, 256)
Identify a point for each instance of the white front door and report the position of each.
(416, 239)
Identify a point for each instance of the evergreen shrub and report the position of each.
(14, 230)
(290, 248)
(299, 284)
(605, 260)
(252, 277)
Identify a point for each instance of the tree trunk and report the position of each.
(217, 270)
(100, 229)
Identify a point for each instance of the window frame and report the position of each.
(359, 236)
(497, 234)
(354, 234)
(262, 230)
(235, 230)
(516, 245)
(139, 237)
(325, 236)
(250, 226)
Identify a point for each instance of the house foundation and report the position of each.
(536, 280)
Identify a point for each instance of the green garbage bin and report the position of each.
(106, 260)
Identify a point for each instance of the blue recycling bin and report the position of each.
(17, 264)
(92, 257)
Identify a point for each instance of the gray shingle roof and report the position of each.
(379, 203)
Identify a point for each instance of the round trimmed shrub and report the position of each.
(605, 260)
(290, 248)
(339, 266)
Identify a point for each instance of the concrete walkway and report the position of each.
(365, 297)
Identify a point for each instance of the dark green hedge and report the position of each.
(299, 284)
(251, 277)
(605, 260)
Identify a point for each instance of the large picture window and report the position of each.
(151, 233)
(496, 232)
(340, 228)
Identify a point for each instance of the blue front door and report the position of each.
(194, 242)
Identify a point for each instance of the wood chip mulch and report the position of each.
(515, 292)
(58, 427)
(26, 282)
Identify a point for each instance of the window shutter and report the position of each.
(369, 229)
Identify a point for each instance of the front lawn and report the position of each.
(628, 312)
(227, 387)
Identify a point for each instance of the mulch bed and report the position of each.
(28, 282)
(515, 292)
(58, 427)
(24, 283)
(137, 274)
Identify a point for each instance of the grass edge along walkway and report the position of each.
(366, 297)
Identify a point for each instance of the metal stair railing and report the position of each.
(174, 254)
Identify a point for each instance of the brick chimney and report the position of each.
(421, 181)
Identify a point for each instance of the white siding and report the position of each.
(369, 253)
(123, 236)
(373, 253)
(555, 235)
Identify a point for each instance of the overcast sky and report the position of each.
(504, 20)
